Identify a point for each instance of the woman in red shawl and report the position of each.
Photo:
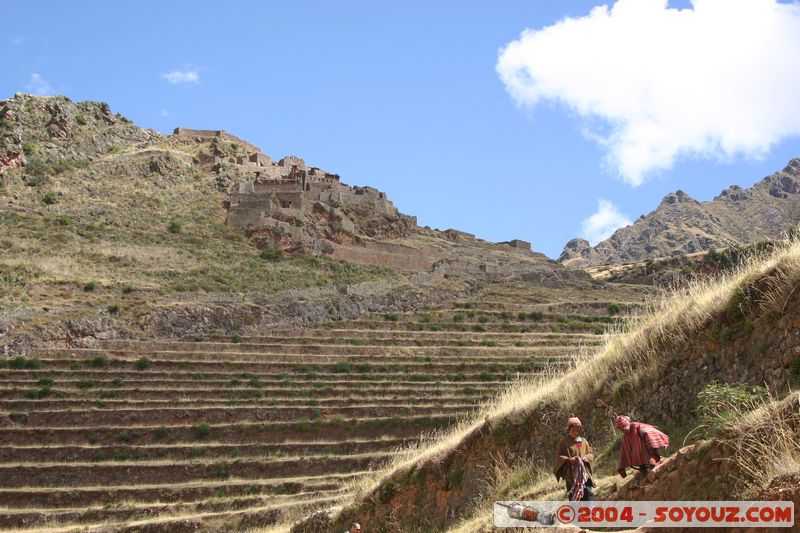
(640, 444)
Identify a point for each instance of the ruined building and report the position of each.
(289, 205)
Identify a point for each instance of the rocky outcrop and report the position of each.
(785, 487)
(56, 128)
(68, 333)
(227, 315)
(577, 253)
(682, 225)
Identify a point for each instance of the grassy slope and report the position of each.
(137, 217)
(101, 201)
(628, 359)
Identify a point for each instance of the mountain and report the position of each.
(681, 225)
(98, 213)
(188, 290)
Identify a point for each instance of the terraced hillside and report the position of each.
(232, 432)
(713, 365)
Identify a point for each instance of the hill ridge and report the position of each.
(683, 225)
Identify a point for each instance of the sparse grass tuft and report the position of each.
(271, 254)
(98, 361)
(794, 369)
(202, 430)
(720, 403)
(25, 363)
(49, 198)
(764, 441)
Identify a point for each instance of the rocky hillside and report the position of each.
(110, 229)
(681, 225)
(55, 129)
(684, 367)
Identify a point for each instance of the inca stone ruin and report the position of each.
(289, 205)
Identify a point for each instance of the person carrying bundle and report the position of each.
(574, 462)
(640, 445)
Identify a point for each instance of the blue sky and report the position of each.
(406, 97)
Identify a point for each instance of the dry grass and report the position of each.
(289, 518)
(481, 523)
(631, 354)
(764, 439)
(111, 225)
(213, 521)
(282, 527)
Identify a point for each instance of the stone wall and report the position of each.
(254, 210)
(260, 159)
(326, 212)
(455, 234)
(210, 134)
(519, 244)
(368, 198)
(188, 132)
(268, 186)
(315, 175)
(290, 160)
(395, 256)
(320, 193)
(702, 471)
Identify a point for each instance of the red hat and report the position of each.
(574, 421)
(622, 421)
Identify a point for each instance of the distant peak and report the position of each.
(578, 243)
(576, 252)
(677, 197)
(793, 167)
(734, 193)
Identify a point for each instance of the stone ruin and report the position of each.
(518, 244)
(290, 189)
(212, 134)
(290, 205)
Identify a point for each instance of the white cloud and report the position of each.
(603, 223)
(719, 80)
(38, 85)
(176, 77)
